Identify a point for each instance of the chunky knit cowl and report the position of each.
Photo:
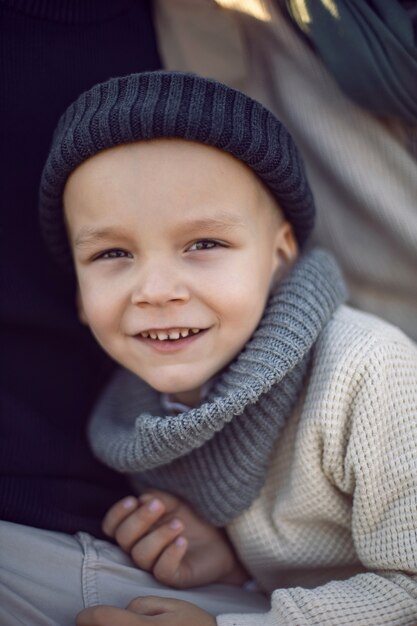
(216, 455)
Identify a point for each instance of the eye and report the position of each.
(204, 244)
(115, 253)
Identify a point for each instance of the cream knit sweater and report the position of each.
(334, 530)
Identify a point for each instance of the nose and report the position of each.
(158, 283)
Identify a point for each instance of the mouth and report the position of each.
(171, 334)
(168, 340)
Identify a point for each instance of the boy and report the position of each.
(249, 389)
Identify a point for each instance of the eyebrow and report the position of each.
(224, 223)
(208, 225)
(89, 235)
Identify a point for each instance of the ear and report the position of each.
(80, 308)
(286, 250)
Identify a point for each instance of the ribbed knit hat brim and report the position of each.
(153, 105)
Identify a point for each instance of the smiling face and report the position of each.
(176, 245)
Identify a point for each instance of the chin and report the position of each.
(186, 392)
(173, 380)
(175, 390)
(171, 387)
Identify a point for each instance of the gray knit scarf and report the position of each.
(216, 455)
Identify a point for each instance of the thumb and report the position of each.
(108, 616)
(153, 605)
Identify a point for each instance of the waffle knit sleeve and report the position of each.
(378, 459)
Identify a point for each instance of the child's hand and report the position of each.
(147, 611)
(164, 536)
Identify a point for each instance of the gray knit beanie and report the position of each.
(152, 105)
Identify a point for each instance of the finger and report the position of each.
(109, 616)
(146, 551)
(154, 605)
(167, 568)
(169, 501)
(117, 513)
(136, 525)
(173, 612)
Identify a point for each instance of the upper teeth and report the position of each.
(163, 335)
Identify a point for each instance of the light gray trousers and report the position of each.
(46, 578)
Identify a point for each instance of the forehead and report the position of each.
(170, 177)
(157, 158)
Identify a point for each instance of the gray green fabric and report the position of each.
(370, 49)
(216, 455)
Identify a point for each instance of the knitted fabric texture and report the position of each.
(333, 533)
(216, 455)
(153, 105)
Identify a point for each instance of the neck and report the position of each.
(194, 397)
(189, 398)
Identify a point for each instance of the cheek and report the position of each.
(243, 301)
(244, 292)
(98, 307)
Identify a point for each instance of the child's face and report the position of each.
(173, 238)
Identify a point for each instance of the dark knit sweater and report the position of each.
(51, 369)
